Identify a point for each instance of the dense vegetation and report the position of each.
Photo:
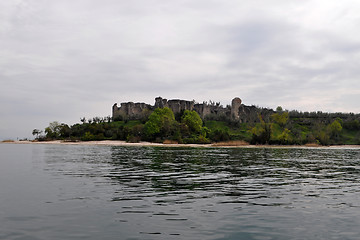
(282, 127)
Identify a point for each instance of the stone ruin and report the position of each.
(237, 112)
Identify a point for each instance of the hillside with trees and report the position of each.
(280, 127)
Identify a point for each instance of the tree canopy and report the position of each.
(159, 123)
(270, 127)
(192, 120)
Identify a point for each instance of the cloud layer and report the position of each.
(62, 60)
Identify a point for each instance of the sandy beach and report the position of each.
(149, 144)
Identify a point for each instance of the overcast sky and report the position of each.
(63, 60)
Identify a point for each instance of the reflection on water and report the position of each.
(196, 193)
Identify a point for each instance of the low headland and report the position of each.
(183, 123)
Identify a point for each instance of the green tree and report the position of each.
(323, 137)
(36, 132)
(261, 133)
(136, 133)
(220, 135)
(334, 130)
(335, 127)
(352, 125)
(159, 123)
(280, 118)
(285, 136)
(64, 131)
(192, 120)
(88, 137)
(53, 130)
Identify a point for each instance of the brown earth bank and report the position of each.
(229, 144)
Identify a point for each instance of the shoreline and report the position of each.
(150, 144)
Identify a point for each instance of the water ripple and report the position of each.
(186, 186)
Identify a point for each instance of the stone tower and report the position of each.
(235, 105)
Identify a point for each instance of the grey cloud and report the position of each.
(61, 60)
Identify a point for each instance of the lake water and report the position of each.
(112, 192)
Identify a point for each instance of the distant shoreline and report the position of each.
(149, 144)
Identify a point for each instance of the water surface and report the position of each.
(113, 192)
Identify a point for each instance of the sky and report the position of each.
(64, 60)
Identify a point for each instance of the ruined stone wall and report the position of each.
(201, 110)
(251, 114)
(131, 111)
(237, 112)
(235, 108)
(212, 112)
